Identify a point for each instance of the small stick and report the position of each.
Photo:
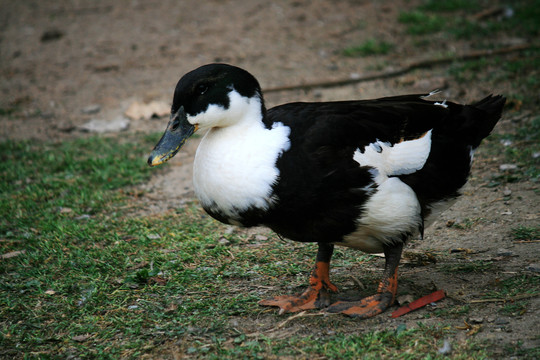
(412, 66)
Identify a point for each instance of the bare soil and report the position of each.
(57, 58)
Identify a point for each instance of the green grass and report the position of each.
(450, 5)
(369, 47)
(421, 23)
(477, 266)
(526, 233)
(399, 343)
(514, 286)
(96, 281)
(453, 18)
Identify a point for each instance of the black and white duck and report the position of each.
(364, 174)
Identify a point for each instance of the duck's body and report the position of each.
(363, 174)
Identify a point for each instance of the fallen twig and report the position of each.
(525, 241)
(510, 299)
(412, 66)
(491, 12)
(283, 323)
(301, 314)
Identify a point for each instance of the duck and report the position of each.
(364, 174)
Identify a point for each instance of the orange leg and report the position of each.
(317, 295)
(386, 293)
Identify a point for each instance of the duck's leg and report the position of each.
(386, 293)
(317, 295)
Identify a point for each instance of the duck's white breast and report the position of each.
(235, 166)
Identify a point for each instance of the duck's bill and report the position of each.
(177, 132)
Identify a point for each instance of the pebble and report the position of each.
(405, 299)
(508, 167)
(91, 109)
(501, 321)
(51, 35)
(102, 126)
(504, 252)
(138, 110)
(507, 192)
(446, 349)
(534, 267)
(224, 241)
(476, 320)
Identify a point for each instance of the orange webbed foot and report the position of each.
(310, 299)
(365, 308)
(371, 305)
(317, 296)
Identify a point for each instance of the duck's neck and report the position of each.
(235, 166)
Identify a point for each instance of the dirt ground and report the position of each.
(64, 63)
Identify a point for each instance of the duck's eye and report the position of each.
(201, 89)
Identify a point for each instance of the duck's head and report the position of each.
(213, 95)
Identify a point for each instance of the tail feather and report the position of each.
(449, 162)
(492, 107)
(476, 121)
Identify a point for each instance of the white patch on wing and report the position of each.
(235, 165)
(393, 210)
(403, 158)
(443, 104)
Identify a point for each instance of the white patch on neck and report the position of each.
(235, 164)
(219, 116)
(403, 158)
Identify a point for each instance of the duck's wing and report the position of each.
(391, 134)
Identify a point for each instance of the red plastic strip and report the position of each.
(418, 303)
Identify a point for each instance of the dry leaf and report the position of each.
(12, 254)
(81, 338)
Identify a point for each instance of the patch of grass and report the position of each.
(473, 266)
(452, 312)
(369, 47)
(526, 233)
(432, 17)
(518, 351)
(109, 285)
(514, 286)
(466, 223)
(515, 309)
(468, 71)
(7, 111)
(421, 23)
(450, 5)
(392, 343)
